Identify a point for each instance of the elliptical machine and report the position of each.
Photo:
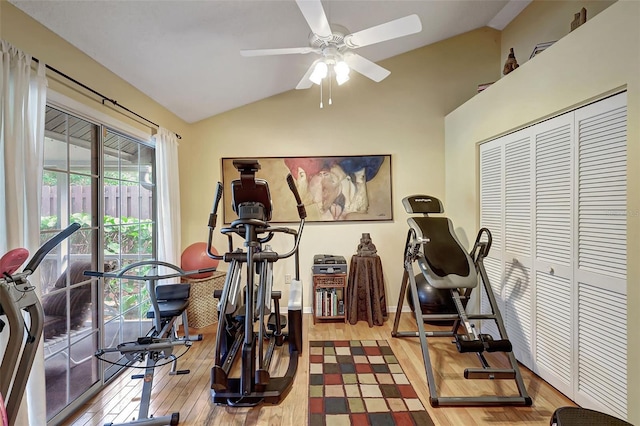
(17, 295)
(237, 338)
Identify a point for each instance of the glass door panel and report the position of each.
(69, 298)
(128, 238)
(104, 181)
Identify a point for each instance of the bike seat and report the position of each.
(173, 299)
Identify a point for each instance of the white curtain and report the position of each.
(22, 108)
(168, 190)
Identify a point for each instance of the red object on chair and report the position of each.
(195, 257)
(11, 261)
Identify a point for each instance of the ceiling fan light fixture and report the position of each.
(341, 68)
(341, 78)
(342, 72)
(319, 72)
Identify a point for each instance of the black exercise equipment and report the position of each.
(432, 300)
(17, 295)
(169, 302)
(432, 245)
(577, 416)
(247, 322)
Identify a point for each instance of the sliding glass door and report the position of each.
(104, 181)
(69, 194)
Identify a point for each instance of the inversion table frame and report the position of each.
(432, 244)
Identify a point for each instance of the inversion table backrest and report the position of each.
(444, 262)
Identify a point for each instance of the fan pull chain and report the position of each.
(330, 85)
(321, 105)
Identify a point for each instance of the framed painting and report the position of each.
(333, 189)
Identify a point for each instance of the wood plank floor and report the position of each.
(190, 394)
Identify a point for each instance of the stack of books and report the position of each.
(329, 302)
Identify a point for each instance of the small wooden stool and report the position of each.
(575, 416)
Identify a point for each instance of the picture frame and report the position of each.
(540, 47)
(484, 86)
(332, 188)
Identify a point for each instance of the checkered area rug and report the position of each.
(360, 382)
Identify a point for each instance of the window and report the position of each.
(103, 180)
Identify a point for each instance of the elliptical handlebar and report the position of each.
(302, 212)
(260, 226)
(213, 219)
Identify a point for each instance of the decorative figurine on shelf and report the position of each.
(579, 19)
(366, 247)
(511, 63)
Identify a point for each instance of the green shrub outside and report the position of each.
(122, 235)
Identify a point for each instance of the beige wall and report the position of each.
(402, 116)
(597, 58)
(543, 21)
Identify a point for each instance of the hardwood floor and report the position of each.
(190, 394)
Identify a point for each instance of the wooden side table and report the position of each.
(329, 292)
(367, 298)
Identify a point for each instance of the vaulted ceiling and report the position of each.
(186, 54)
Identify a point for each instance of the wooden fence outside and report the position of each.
(135, 201)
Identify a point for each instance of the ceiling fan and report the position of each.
(335, 45)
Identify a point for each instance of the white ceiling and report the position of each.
(185, 54)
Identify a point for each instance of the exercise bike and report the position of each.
(246, 323)
(17, 295)
(169, 302)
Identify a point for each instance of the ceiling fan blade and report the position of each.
(367, 68)
(283, 51)
(313, 12)
(305, 83)
(393, 29)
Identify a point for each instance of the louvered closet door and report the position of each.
(553, 323)
(518, 308)
(491, 217)
(602, 256)
(562, 251)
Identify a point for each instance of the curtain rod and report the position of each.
(104, 98)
